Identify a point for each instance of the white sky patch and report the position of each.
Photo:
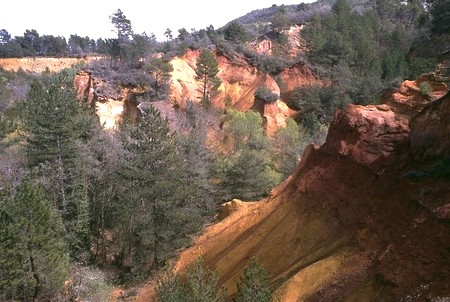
(91, 17)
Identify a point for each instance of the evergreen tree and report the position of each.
(153, 213)
(57, 125)
(246, 171)
(170, 288)
(280, 21)
(34, 262)
(140, 48)
(196, 152)
(160, 71)
(5, 36)
(168, 34)
(236, 33)
(287, 146)
(201, 285)
(206, 70)
(49, 114)
(123, 29)
(440, 15)
(254, 284)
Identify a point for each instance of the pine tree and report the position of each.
(287, 147)
(198, 156)
(254, 284)
(170, 288)
(123, 29)
(440, 15)
(57, 125)
(247, 170)
(34, 262)
(49, 118)
(201, 285)
(206, 70)
(153, 213)
(160, 71)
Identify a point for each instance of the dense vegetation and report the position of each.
(124, 202)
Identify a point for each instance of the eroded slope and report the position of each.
(365, 217)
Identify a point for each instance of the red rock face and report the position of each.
(239, 82)
(365, 217)
(383, 172)
(297, 76)
(431, 140)
(84, 85)
(373, 136)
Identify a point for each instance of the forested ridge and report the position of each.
(84, 209)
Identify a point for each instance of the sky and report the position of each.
(91, 17)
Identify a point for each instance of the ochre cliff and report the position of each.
(365, 216)
(39, 65)
(239, 82)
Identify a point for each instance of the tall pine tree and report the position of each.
(206, 70)
(34, 262)
(153, 214)
(57, 125)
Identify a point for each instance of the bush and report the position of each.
(265, 94)
(201, 285)
(89, 284)
(254, 284)
(425, 89)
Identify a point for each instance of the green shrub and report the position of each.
(265, 94)
(254, 284)
(201, 285)
(425, 89)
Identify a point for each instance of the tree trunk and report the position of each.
(35, 276)
(61, 177)
(205, 81)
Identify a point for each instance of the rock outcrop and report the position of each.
(297, 76)
(296, 44)
(365, 216)
(239, 82)
(112, 104)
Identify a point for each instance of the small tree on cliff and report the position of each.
(247, 170)
(206, 70)
(160, 71)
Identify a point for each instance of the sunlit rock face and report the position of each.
(112, 104)
(38, 65)
(239, 83)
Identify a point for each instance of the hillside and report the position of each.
(239, 80)
(313, 137)
(363, 218)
